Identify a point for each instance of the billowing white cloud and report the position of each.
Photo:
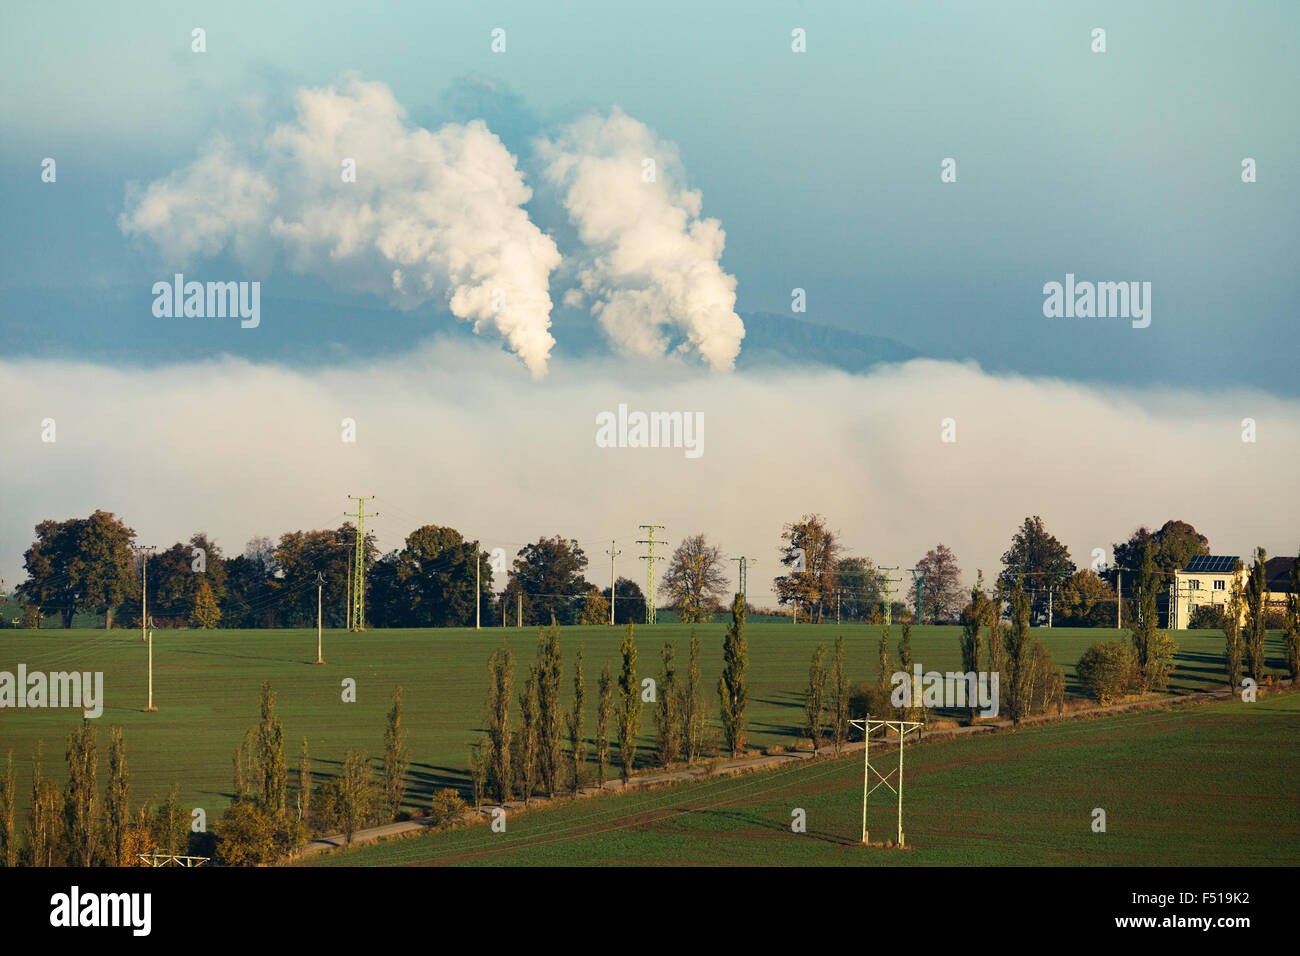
(432, 216)
(651, 264)
(239, 449)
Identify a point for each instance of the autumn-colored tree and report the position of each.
(81, 831)
(44, 817)
(170, 827)
(733, 691)
(628, 715)
(1085, 600)
(694, 583)
(8, 837)
(205, 614)
(595, 608)
(117, 801)
(811, 555)
(79, 565)
(940, 586)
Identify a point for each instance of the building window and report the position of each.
(1219, 585)
(1194, 585)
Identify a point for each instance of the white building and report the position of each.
(1207, 579)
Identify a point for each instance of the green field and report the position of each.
(206, 686)
(1195, 786)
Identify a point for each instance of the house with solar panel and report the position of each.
(1277, 582)
(1207, 579)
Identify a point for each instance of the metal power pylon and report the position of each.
(359, 563)
(649, 559)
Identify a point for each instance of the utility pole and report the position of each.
(889, 594)
(837, 607)
(743, 572)
(920, 585)
(144, 550)
(1049, 606)
(151, 708)
(358, 622)
(320, 583)
(649, 559)
(478, 590)
(1119, 598)
(612, 555)
(519, 621)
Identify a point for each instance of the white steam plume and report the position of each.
(430, 217)
(652, 262)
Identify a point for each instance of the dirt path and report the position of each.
(762, 763)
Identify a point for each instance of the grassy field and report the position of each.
(206, 686)
(1204, 785)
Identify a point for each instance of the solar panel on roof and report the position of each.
(1211, 563)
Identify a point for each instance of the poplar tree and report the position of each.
(882, 681)
(1232, 650)
(628, 716)
(43, 817)
(577, 743)
(1143, 631)
(81, 798)
(691, 707)
(667, 723)
(270, 740)
(304, 785)
(1256, 631)
(973, 618)
(353, 794)
(8, 839)
(732, 689)
(840, 688)
(1291, 633)
(905, 661)
(170, 826)
(1018, 651)
(814, 696)
(501, 669)
(604, 705)
(550, 721)
(397, 756)
(117, 805)
(528, 736)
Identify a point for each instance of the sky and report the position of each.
(481, 171)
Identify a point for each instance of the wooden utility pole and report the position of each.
(151, 708)
(320, 581)
(478, 590)
(612, 555)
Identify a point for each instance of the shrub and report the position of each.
(447, 807)
(1107, 670)
(1209, 616)
(249, 835)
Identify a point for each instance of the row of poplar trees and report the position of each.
(80, 826)
(519, 759)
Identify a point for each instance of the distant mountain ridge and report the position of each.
(784, 340)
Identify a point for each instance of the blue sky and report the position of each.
(822, 167)
(823, 170)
